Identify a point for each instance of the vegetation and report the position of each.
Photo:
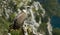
(8, 11)
(56, 31)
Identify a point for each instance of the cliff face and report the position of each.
(37, 19)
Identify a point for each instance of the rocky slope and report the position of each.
(37, 21)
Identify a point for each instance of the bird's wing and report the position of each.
(21, 17)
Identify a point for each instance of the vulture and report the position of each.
(18, 21)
